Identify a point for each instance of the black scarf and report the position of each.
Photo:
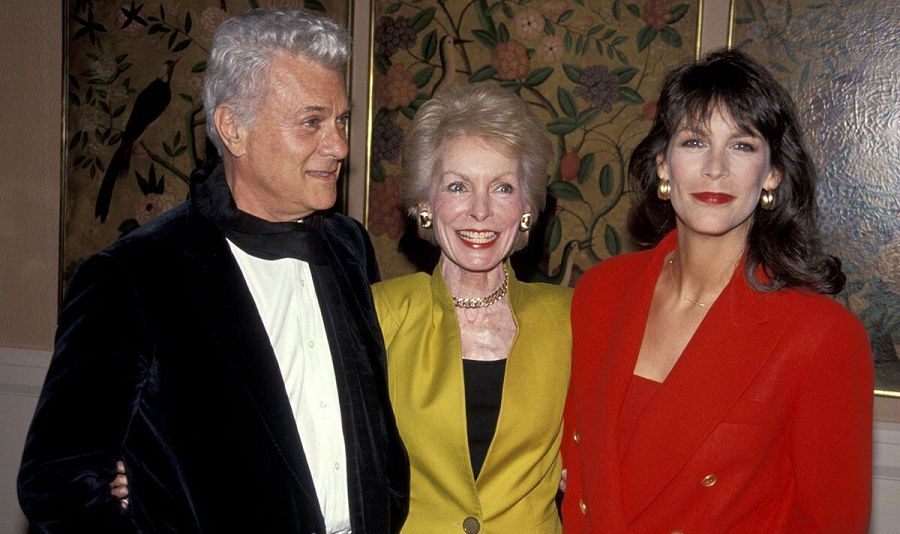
(255, 236)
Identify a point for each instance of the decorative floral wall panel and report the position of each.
(133, 88)
(841, 62)
(590, 70)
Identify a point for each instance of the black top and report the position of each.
(484, 389)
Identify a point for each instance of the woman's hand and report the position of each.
(119, 486)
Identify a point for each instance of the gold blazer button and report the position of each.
(471, 525)
(709, 481)
(577, 438)
(582, 506)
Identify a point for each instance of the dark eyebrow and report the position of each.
(694, 130)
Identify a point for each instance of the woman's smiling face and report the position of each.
(716, 171)
(476, 204)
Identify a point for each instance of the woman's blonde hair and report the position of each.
(485, 111)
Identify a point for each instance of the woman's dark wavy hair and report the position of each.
(785, 241)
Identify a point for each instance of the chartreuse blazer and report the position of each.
(516, 488)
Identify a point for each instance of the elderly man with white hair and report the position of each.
(228, 352)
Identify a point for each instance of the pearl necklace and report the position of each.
(484, 302)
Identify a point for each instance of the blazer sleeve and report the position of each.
(89, 396)
(832, 433)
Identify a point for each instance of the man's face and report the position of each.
(286, 163)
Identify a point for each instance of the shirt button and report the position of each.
(577, 438)
(337, 466)
(582, 506)
(323, 404)
(302, 283)
(311, 344)
(709, 481)
(471, 525)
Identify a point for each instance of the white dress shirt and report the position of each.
(286, 299)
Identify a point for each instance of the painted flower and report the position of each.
(582, 22)
(396, 87)
(510, 59)
(154, 204)
(387, 140)
(598, 86)
(94, 147)
(90, 119)
(385, 214)
(210, 19)
(656, 13)
(529, 23)
(568, 166)
(393, 34)
(551, 49)
(105, 67)
(118, 93)
(648, 111)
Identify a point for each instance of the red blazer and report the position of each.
(763, 425)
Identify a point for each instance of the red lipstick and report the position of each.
(713, 198)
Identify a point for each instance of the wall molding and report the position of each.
(886, 451)
(22, 371)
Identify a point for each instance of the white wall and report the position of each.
(21, 376)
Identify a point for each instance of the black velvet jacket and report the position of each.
(162, 360)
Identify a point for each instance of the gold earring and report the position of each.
(425, 219)
(767, 200)
(663, 190)
(525, 223)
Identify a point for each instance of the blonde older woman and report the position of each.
(478, 362)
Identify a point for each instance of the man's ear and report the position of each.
(231, 131)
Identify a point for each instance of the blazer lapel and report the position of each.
(229, 319)
(611, 381)
(449, 367)
(727, 351)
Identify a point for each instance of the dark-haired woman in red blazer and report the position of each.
(714, 387)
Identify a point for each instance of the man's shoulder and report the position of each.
(342, 224)
(167, 232)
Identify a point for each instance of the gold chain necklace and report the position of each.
(685, 297)
(484, 302)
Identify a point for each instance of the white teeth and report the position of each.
(477, 237)
(319, 173)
